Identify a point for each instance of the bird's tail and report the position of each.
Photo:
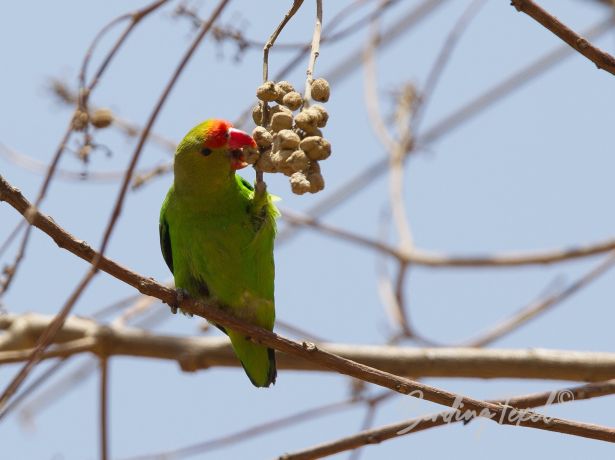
(258, 361)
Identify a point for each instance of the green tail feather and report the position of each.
(258, 361)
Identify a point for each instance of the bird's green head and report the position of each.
(211, 150)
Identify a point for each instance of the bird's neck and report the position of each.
(205, 189)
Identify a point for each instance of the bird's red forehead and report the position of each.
(216, 133)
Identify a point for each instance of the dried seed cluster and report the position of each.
(292, 144)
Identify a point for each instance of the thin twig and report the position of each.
(540, 306)
(436, 71)
(435, 259)
(12, 236)
(104, 408)
(78, 376)
(368, 421)
(261, 428)
(260, 186)
(413, 17)
(298, 332)
(287, 17)
(602, 59)
(370, 89)
(33, 165)
(315, 51)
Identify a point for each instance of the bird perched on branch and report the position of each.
(216, 235)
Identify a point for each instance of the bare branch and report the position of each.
(541, 305)
(261, 428)
(104, 408)
(80, 335)
(435, 259)
(315, 51)
(602, 59)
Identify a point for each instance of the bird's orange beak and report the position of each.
(237, 141)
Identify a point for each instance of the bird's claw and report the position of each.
(180, 295)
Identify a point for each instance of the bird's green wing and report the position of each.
(245, 183)
(165, 239)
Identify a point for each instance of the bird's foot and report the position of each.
(180, 295)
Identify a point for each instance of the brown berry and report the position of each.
(101, 118)
(292, 100)
(320, 90)
(257, 114)
(299, 183)
(286, 139)
(298, 161)
(280, 121)
(316, 148)
(267, 92)
(265, 162)
(262, 137)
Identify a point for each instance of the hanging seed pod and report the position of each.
(262, 137)
(298, 161)
(279, 108)
(257, 114)
(267, 92)
(280, 160)
(299, 183)
(292, 100)
(265, 162)
(280, 121)
(80, 120)
(251, 155)
(306, 121)
(320, 114)
(317, 182)
(285, 86)
(315, 178)
(316, 148)
(320, 90)
(286, 139)
(282, 88)
(101, 118)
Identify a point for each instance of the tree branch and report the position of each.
(437, 259)
(80, 335)
(602, 59)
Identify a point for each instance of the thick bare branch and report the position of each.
(80, 335)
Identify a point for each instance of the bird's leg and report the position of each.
(180, 295)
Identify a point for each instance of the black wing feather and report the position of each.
(165, 242)
(246, 184)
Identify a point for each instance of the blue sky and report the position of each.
(533, 171)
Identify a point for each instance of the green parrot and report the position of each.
(217, 236)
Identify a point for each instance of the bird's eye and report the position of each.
(206, 151)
